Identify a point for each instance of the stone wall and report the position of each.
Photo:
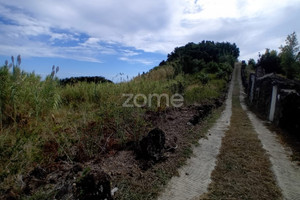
(275, 98)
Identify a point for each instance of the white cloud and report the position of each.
(151, 26)
(128, 53)
(137, 60)
(63, 37)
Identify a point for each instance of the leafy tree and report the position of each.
(252, 63)
(290, 56)
(212, 67)
(270, 61)
(192, 57)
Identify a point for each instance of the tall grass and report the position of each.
(24, 96)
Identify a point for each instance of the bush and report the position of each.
(203, 77)
(212, 67)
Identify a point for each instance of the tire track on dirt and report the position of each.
(287, 173)
(194, 177)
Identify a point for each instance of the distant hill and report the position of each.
(88, 79)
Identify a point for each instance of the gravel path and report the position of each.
(287, 172)
(194, 177)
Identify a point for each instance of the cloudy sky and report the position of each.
(98, 37)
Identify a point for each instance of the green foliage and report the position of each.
(88, 79)
(24, 96)
(270, 61)
(287, 62)
(203, 77)
(251, 63)
(204, 92)
(230, 59)
(290, 56)
(193, 57)
(212, 67)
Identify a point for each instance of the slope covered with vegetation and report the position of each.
(43, 122)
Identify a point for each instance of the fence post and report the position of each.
(273, 103)
(252, 78)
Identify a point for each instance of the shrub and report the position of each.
(203, 77)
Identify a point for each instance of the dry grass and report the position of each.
(243, 168)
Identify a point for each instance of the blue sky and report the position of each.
(106, 38)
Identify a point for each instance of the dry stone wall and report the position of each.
(275, 98)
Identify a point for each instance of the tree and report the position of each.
(251, 63)
(290, 56)
(193, 57)
(269, 61)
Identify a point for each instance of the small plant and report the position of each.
(203, 77)
(54, 71)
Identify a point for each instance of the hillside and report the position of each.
(56, 141)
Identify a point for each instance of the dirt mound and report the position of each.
(152, 145)
(67, 181)
(93, 185)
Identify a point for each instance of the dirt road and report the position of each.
(287, 173)
(195, 177)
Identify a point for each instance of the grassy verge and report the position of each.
(243, 168)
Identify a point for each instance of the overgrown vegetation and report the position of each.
(286, 62)
(43, 121)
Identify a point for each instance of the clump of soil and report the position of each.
(152, 145)
(64, 180)
(93, 185)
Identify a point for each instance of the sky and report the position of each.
(118, 39)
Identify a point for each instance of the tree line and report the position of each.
(88, 79)
(286, 62)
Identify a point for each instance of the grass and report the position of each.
(42, 121)
(243, 170)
